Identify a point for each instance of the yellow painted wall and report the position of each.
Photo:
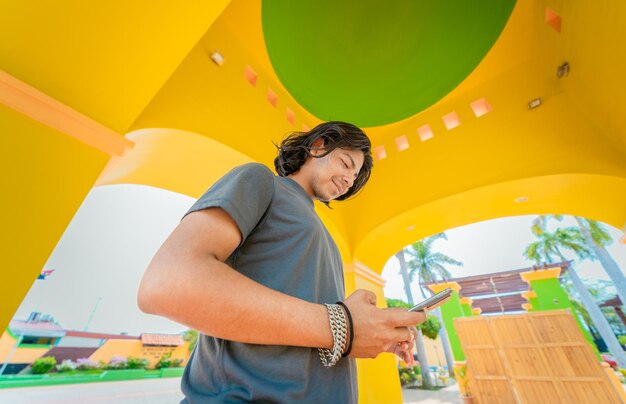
(104, 59)
(176, 160)
(135, 348)
(20, 355)
(45, 177)
(7, 342)
(377, 378)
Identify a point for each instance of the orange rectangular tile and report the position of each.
(380, 152)
(291, 117)
(250, 75)
(402, 143)
(425, 133)
(272, 98)
(553, 19)
(451, 120)
(480, 107)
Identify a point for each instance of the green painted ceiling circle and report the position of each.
(374, 62)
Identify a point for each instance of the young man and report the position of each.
(252, 267)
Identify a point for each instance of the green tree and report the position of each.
(426, 265)
(597, 238)
(430, 328)
(598, 290)
(191, 336)
(550, 246)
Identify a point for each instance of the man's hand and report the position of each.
(381, 330)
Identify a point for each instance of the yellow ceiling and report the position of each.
(139, 66)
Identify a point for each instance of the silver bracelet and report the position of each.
(339, 329)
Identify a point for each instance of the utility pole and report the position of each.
(95, 307)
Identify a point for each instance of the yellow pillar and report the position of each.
(50, 156)
(466, 303)
(530, 296)
(378, 378)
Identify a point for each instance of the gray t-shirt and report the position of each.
(285, 247)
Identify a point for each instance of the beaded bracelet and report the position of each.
(339, 329)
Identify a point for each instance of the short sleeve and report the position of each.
(244, 193)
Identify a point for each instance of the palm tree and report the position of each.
(597, 238)
(427, 265)
(419, 342)
(547, 247)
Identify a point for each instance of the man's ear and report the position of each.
(317, 148)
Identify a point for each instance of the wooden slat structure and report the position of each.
(499, 293)
(536, 358)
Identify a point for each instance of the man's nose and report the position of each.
(348, 180)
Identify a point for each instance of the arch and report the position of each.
(597, 197)
(187, 163)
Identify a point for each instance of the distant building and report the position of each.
(26, 340)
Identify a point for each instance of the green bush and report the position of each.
(409, 375)
(406, 376)
(117, 363)
(622, 339)
(137, 363)
(165, 361)
(191, 336)
(430, 328)
(66, 366)
(44, 365)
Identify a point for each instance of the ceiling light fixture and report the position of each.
(217, 58)
(534, 103)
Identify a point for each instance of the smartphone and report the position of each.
(433, 301)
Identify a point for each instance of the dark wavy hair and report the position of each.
(294, 150)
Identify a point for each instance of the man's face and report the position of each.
(334, 174)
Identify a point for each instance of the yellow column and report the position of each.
(466, 303)
(529, 296)
(378, 378)
(50, 156)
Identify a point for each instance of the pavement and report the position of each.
(446, 395)
(161, 391)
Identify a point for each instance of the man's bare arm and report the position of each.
(188, 282)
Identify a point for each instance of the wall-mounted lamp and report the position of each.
(217, 58)
(562, 70)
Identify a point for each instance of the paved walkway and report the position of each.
(162, 391)
(448, 395)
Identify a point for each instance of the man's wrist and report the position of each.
(339, 330)
(350, 336)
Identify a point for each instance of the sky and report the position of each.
(99, 261)
(496, 246)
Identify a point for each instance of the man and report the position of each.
(252, 267)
